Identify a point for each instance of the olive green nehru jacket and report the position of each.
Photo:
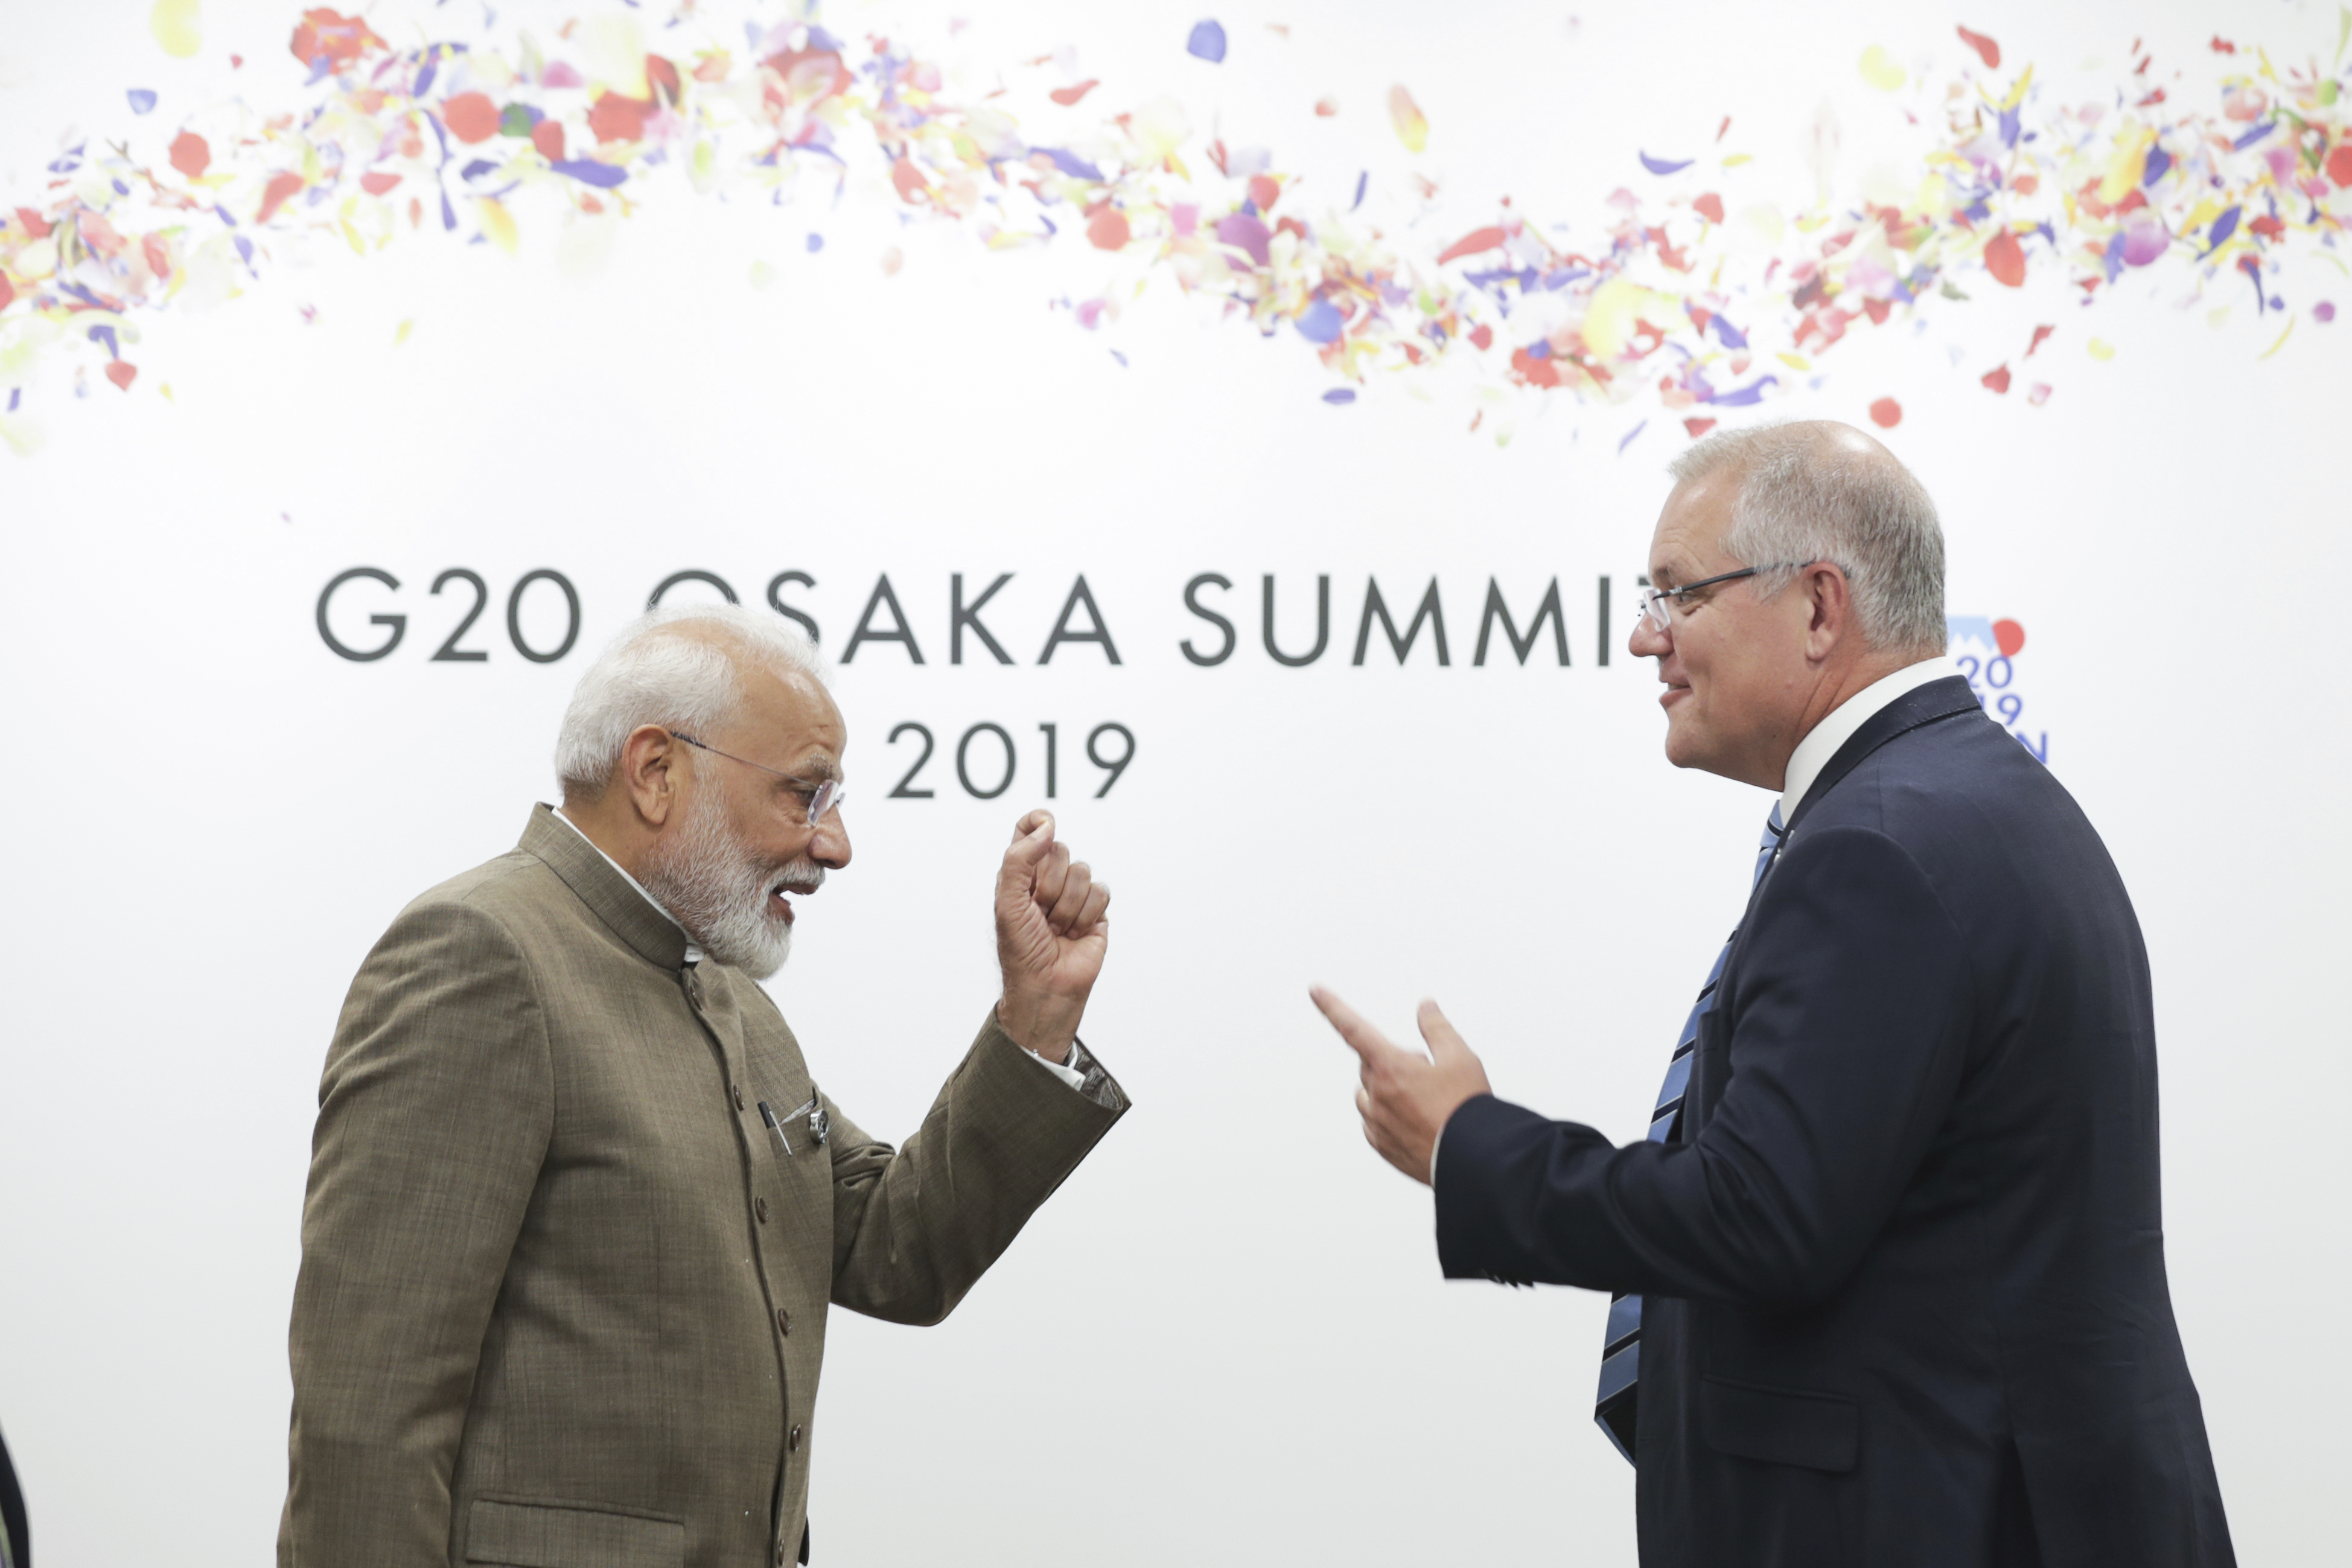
(563, 1293)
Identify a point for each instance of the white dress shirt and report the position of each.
(1067, 1074)
(1838, 726)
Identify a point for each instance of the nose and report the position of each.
(829, 842)
(1647, 641)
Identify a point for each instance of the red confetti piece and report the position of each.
(1482, 336)
(2005, 259)
(1264, 190)
(1066, 96)
(1327, 107)
(7, 291)
(1471, 243)
(548, 137)
(1709, 206)
(122, 373)
(1886, 414)
(471, 117)
(275, 194)
(34, 222)
(158, 255)
(613, 118)
(1997, 378)
(1986, 50)
(908, 180)
(191, 153)
(378, 182)
(662, 77)
(330, 35)
(2040, 336)
(1108, 230)
(1698, 427)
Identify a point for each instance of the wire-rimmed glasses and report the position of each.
(822, 798)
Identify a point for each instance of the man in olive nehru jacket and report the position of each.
(576, 1205)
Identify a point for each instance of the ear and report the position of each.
(650, 760)
(1830, 601)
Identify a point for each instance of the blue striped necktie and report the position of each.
(1620, 1352)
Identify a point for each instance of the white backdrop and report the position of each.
(1225, 1339)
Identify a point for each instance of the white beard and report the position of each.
(718, 889)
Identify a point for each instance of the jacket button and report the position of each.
(760, 1208)
(783, 1321)
(739, 1096)
(793, 1441)
(779, 1554)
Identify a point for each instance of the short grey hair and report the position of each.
(1807, 494)
(651, 675)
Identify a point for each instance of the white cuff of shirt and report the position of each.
(1062, 1070)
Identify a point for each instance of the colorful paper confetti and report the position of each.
(1666, 294)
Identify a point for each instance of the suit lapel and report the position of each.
(1921, 705)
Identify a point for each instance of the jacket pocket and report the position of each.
(542, 1535)
(1780, 1425)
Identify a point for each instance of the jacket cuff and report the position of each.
(1472, 1243)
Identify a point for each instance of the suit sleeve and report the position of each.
(914, 1228)
(434, 1117)
(1848, 1033)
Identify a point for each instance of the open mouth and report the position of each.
(780, 903)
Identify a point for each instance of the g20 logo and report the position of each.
(1985, 650)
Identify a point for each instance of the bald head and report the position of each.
(1818, 490)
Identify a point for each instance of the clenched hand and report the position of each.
(1051, 936)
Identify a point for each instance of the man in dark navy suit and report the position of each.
(1889, 1268)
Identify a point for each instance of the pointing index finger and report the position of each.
(1361, 1036)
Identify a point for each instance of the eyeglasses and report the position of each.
(1654, 600)
(826, 797)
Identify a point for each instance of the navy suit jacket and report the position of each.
(1903, 1260)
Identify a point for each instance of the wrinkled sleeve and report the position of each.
(1848, 1031)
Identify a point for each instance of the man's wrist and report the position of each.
(1033, 1030)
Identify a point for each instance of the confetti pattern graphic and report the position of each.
(1666, 296)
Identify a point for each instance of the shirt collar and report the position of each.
(1836, 728)
(693, 950)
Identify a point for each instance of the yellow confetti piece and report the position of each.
(165, 388)
(1795, 361)
(2214, 318)
(499, 225)
(762, 275)
(2282, 339)
(1735, 159)
(177, 25)
(1879, 70)
(401, 336)
(2100, 349)
(1411, 125)
(21, 436)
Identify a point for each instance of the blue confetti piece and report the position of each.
(589, 172)
(815, 243)
(478, 168)
(424, 80)
(2159, 161)
(1637, 429)
(1207, 42)
(1666, 165)
(1339, 395)
(106, 335)
(2224, 227)
(1321, 322)
(16, 396)
(141, 100)
(449, 213)
(1748, 396)
(1070, 164)
(1363, 179)
(1120, 357)
(2256, 134)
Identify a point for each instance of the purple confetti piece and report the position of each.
(815, 243)
(449, 213)
(562, 75)
(1120, 357)
(1363, 179)
(2144, 242)
(2158, 161)
(2224, 227)
(106, 335)
(1070, 164)
(1731, 337)
(2009, 127)
(589, 172)
(1664, 167)
(16, 396)
(1207, 42)
(1637, 429)
(2256, 134)
(142, 101)
(1339, 396)
(1247, 234)
(1748, 396)
(2323, 312)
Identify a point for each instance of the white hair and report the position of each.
(651, 675)
(1809, 492)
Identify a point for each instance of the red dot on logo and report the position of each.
(1886, 414)
(2008, 636)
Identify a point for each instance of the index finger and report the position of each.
(1361, 1036)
